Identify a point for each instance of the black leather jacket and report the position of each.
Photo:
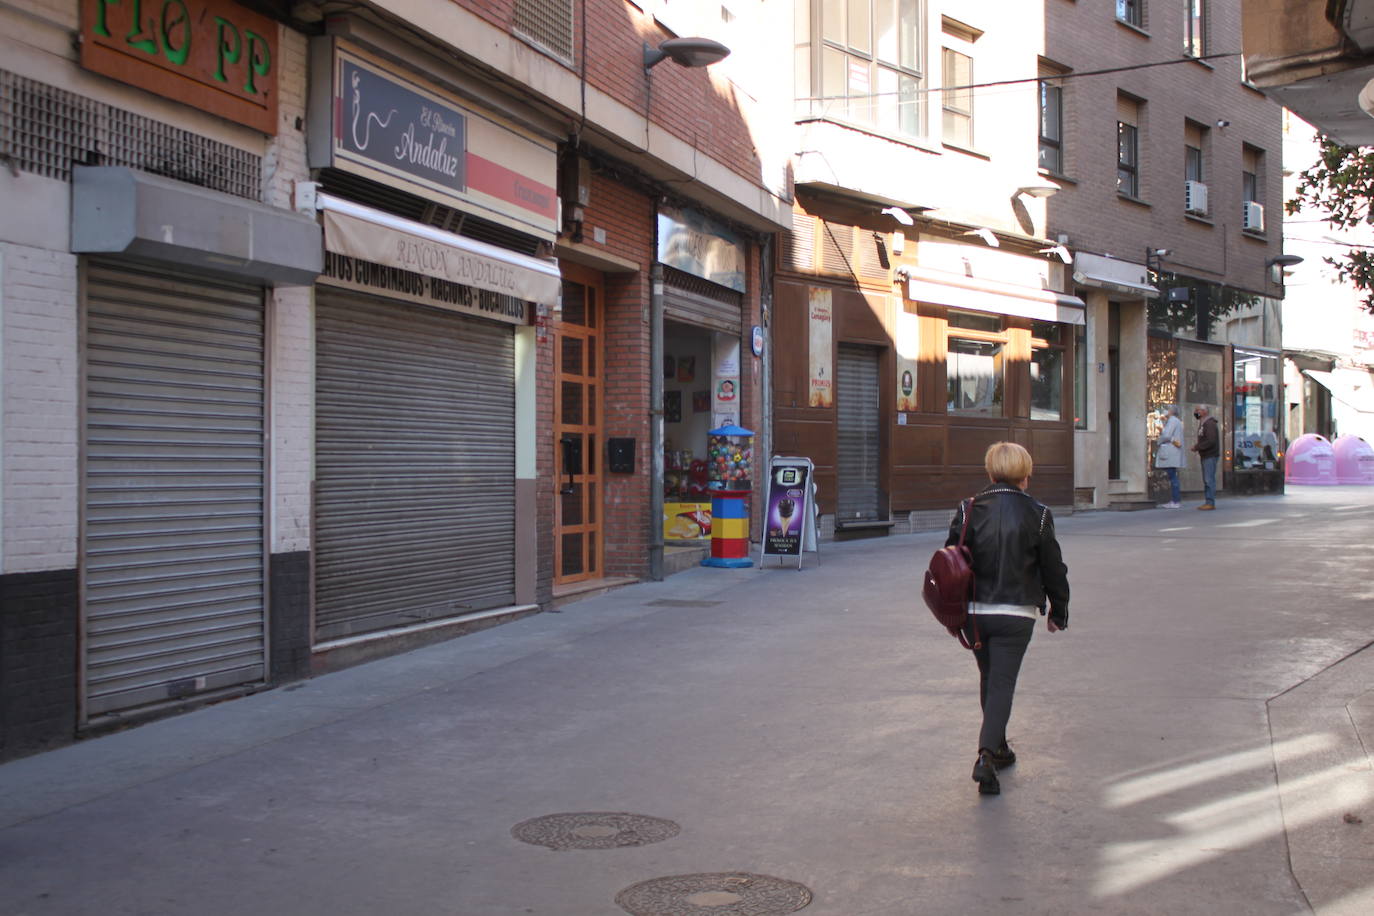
(1016, 558)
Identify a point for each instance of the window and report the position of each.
(1251, 161)
(974, 364)
(1192, 163)
(1256, 426)
(1130, 11)
(861, 61)
(1127, 160)
(1052, 126)
(1194, 28)
(958, 102)
(1128, 116)
(1046, 371)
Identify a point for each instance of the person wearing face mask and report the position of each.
(1208, 448)
(1169, 453)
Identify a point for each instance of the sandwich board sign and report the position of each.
(789, 520)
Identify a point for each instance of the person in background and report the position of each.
(1017, 565)
(1169, 453)
(1208, 448)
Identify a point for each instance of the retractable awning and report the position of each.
(372, 235)
(1352, 387)
(958, 291)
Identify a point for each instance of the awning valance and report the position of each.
(941, 287)
(380, 238)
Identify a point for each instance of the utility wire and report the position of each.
(1028, 79)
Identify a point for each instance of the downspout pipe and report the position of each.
(656, 423)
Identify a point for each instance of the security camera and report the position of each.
(1163, 252)
(1223, 123)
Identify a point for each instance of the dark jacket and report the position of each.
(1208, 440)
(1016, 558)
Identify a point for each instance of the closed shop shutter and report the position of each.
(173, 553)
(414, 465)
(856, 425)
(700, 303)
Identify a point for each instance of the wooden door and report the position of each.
(577, 440)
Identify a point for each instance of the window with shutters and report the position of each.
(546, 24)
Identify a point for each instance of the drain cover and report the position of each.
(723, 894)
(594, 830)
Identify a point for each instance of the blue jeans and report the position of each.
(1173, 483)
(1209, 480)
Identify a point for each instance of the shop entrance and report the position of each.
(688, 413)
(577, 428)
(857, 425)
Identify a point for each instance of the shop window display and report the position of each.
(1255, 423)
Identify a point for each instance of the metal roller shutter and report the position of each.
(414, 465)
(701, 303)
(856, 423)
(173, 554)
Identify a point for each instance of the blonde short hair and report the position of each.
(1007, 462)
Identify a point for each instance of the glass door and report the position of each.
(577, 429)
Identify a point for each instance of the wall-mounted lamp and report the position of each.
(685, 52)
(1060, 252)
(1039, 189)
(987, 235)
(1223, 123)
(1277, 263)
(899, 215)
(1154, 258)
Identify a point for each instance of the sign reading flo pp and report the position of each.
(211, 54)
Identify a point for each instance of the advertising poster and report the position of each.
(908, 345)
(822, 384)
(789, 518)
(725, 393)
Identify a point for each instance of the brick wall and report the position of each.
(38, 626)
(1086, 36)
(40, 397)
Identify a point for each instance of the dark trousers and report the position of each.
(1005, 638)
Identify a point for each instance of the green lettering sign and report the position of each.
(259, 61)
(136, 28)
(176, 18)
(227, 52)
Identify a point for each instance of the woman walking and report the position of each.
(1017, 567)
(1169, 453)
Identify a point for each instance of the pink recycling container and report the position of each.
(1354, 460)
(1310, 460)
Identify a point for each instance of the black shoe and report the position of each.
(985, 774)
(1003, 757)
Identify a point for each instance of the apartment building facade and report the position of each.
(329, 333)
(1170, 163)
(921, 313)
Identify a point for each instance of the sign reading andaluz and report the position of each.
(403, 132)
(211, 54)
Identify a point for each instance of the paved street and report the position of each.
(1190, 745)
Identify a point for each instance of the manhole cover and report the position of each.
(594, 830)
(726, 894)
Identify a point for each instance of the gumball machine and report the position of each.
(729, 466)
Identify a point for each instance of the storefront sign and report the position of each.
(389, 242)
(372, 119)
(822, 367)
(210, 54)
(698, 245)
(789, 521)
(908, 342)
(395, 283)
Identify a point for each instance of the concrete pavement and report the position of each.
(1191, 745)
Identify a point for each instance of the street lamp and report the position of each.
(685, 52)
(1277, 263)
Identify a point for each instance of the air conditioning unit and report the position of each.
(1252, 217)
(1194, 197)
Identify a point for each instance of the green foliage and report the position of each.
(1341, 184)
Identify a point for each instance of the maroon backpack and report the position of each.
(948, 586)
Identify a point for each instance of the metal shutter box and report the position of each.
(856, 427)
(700, 303)
(173, 555)
(414, 464)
